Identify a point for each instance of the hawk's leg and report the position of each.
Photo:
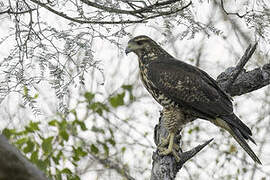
(173, 119)
(166, 141)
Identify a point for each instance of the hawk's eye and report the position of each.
(139, 42)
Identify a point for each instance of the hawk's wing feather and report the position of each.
(189, 86)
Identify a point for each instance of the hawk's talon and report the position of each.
(175, 154)
(172, 147)
(164, 141)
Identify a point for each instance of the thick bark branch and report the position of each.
(246, 82)
(13, 165)
(235, 81)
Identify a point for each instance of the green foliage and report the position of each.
(129, 89)
(48, 151)
(117, 100)
(89, 96)
(47, 145)
(98, 107)
(94, 149)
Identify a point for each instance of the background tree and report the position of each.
(72, 103)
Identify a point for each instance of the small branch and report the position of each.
(239, 67)
(114, 165)
(191, 153)
(109, 9)
(17, 13)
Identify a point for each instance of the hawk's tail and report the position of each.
(240, 133)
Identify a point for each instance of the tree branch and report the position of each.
(236, 81)
(246, 82)
(63, 15)
(137, 13)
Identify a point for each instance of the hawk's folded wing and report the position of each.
(189, 86)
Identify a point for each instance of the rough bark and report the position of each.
(13, 165)
(235, 81)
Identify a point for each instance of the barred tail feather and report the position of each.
(237, 135)
(240, 134)
(234, 121)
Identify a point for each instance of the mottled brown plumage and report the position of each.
(186, 93)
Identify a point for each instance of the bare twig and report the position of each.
(114, 165)
(9, 11)
(239, 67)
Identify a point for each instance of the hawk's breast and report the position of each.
(157, 94)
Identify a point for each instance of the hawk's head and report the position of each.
(144, 47)
(140, 44)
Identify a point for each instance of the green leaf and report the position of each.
(63, 133)
(25, 90)
(123, 149)
(74, 177)
(42, 165)
(36, 96)
(29, 146)
(34, 157)
(81, 152)
(8, 132)
(106, 149)
(53, 122)
(127, 87)
(94, 149)
(57, 157)
(98, 107)
(111, 141)
(97, 130)
(66, 171)
(32, 127)
(21, 141)
(47, 145)
(81, 124)
(78, 153)
(117, 100)
(89, 96)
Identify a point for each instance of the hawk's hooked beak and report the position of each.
(128, 50)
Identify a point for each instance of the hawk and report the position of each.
(186, 93)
